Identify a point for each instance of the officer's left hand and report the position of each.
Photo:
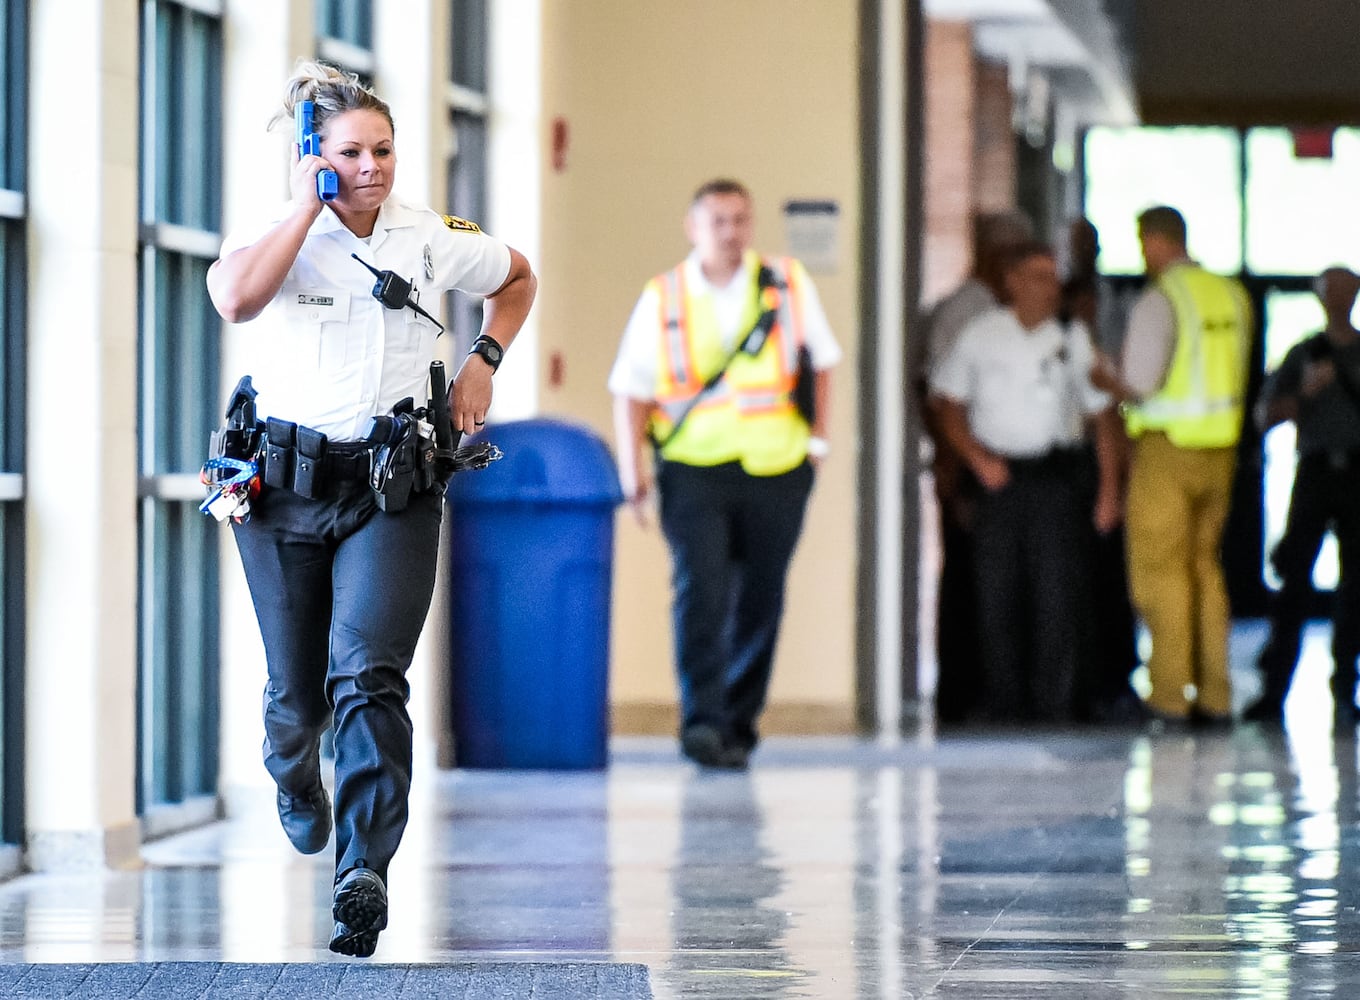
(1104, 375)
(1109, 512)
(470, 395)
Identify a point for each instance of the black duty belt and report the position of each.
(1055, 460)
(348, 461)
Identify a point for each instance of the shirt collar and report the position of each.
(392, 214)
(750, 262)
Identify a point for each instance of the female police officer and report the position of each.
(341, 587)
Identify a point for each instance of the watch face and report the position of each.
(491, 352)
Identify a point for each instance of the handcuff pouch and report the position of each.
(309, 468)
(280, 445)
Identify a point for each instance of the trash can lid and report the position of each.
(546, 461)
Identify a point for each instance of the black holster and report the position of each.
(239, 437)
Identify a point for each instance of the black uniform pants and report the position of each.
(341, 591)
(1032, 566)
(1326, 495)
(731, 537)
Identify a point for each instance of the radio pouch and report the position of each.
(309, 473)
(280, 444)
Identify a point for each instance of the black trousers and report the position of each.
(1032, 574)
(958, 693)
(1326, 495)
(341, 591)
(731, 537)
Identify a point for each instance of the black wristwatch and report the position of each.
(490, 351)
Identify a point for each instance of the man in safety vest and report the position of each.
(1182, 381)
(708, 375)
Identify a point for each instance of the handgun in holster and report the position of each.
(396, 450)
(239, 437)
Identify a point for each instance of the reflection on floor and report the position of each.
(977, 865)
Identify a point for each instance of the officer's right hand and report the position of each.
(302, 180)
(993, 471)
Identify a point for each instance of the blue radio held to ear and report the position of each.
(309, 144)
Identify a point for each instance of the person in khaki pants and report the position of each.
(1182, 381)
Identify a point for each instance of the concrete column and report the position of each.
(263, 42)
(81, 523)
(515, 190)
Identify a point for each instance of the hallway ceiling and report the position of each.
(1233, 62)
(1245, 62)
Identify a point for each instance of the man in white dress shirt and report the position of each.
(1013, 397)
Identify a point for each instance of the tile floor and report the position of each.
(1077, 864)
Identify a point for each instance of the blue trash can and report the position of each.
(531, 567)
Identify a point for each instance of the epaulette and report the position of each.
(461, 225)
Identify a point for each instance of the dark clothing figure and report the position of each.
(1103, 689)
(1031, 550)
(1326, 496)
(731, 537)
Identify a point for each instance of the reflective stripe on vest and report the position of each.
(748, 416)
(1201, 402)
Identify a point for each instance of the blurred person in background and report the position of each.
(1317, 386)
(1182, 383)
(713, 363)
(959, 687)
(1105, 692)
(1014, 400)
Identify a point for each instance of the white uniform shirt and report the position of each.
(328, 355)
(634, 373)
(1026, 391)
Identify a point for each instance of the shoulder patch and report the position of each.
(461, 225)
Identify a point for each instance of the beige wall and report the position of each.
(656, 99)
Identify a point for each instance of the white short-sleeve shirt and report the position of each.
(1026, 391)
(325, 353)
(634, 372)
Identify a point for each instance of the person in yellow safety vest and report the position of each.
(724, 370)
(1182, 382)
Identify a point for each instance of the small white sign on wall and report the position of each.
(812, 233)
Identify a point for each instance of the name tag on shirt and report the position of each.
(321, 305)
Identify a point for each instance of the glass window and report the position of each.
(178, 377)
(348, 21)
(1304, 214)
(13, 73)
(467, 198)
(13, 286)
(467, 176)
(1197, 170)
(469, 44)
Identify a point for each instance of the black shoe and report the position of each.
(306, 819)
(360, 912)
(736, 758)
(1344, 716)
(1157, 723)
(702, 744)
(1265, 709)
(1211, 721)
